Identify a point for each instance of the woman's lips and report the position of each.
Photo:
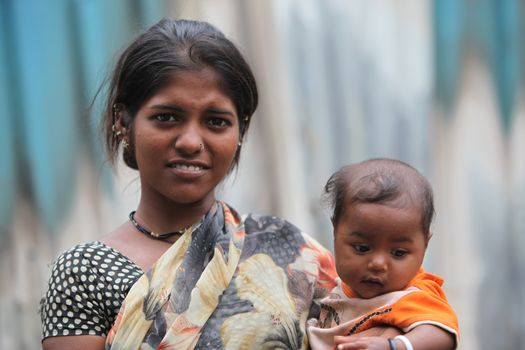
(187, 170)
(185, 167)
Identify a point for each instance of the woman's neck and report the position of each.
(168, 217)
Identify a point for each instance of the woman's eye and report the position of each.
(399, 253)
(361, 248)
(167, 118)
(218, 122)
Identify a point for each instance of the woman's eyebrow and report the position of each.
(176, 108)
(220, 111)
(167, 106)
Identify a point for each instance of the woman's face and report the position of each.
(185, 138)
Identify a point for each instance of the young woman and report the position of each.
(185, 271)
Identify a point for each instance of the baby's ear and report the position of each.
(429, 236)
(333, 227)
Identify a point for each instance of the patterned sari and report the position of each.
(230, 283)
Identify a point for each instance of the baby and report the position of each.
(381, 214)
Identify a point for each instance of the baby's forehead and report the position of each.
(382, 184)
(386, 217)
(402, 202)
(369, 173)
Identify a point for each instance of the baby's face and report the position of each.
(378, 248)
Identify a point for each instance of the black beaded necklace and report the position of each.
(151, 234)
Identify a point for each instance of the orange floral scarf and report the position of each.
(227, 283)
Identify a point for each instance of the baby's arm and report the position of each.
(428, 337)
(373, 339)
(424, 337)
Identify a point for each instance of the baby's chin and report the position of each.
(370, 289)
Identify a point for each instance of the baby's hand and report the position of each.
(312, 322)
(352, 343)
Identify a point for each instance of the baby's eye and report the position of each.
(399, 253)
(167, 118)
(217, 122)
(361, 248)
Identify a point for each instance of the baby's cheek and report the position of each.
(343, 267)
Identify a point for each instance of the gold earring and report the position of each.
(116, 132)
(125, 144)
(116, 108)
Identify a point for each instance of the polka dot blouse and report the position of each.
(87, 286)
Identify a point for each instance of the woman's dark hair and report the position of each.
(150, 61)
(381, 181)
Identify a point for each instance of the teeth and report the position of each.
(187, 167)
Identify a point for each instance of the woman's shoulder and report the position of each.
(95, 250)
(85, 290)
(78, 254)
(255, 223)
(283, 232)
(258, 221)
(94, 258)
(272, 224)
(289, 247)
(84, 247)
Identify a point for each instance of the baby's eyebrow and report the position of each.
(360, 234)
(403, 239)
(398, 239)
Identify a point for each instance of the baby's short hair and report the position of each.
(381, 181)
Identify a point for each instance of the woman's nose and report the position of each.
(189, 140)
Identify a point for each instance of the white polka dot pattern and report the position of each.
(87, 286)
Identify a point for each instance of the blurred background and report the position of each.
(438, 84)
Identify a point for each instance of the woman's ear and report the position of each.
(120, 122)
